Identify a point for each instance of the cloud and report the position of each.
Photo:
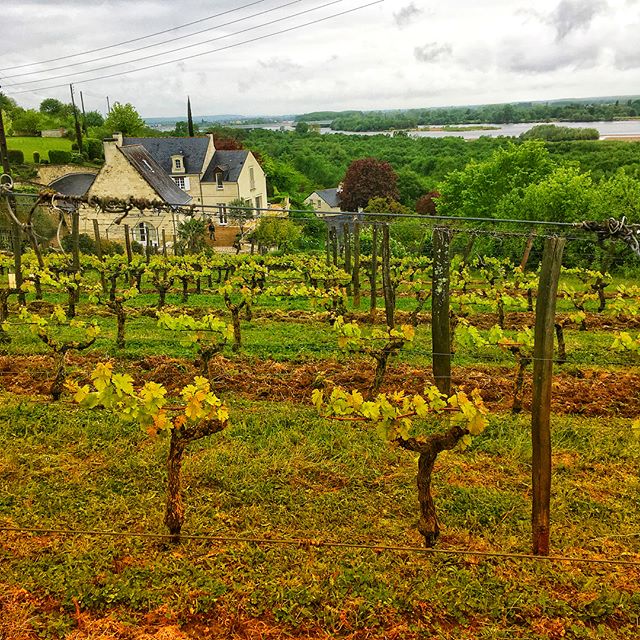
(280, 65)
(407, 14)
(571, 15)
(432, 52)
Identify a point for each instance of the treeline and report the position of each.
(491, 114)
(553, 133)
(299, 164)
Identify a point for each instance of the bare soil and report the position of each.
(583, 391)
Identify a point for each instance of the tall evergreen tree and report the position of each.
(189, 117)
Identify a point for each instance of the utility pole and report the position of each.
(75, 117)
(189, 117)
(11, 202)
(108, 106)
(4, 153)
(84, 117)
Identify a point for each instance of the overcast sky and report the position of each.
(394, 54)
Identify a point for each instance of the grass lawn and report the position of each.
(280, 471)
(29, 145)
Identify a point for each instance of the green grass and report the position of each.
(280, 471)
(30, 145)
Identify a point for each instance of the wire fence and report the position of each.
(311, 543)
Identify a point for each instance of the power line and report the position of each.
(364, 214)
(188, 46)
(119, 44)
(149, 46)
(196, 55)
(308, 543)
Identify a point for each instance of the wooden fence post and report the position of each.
(96, 233)
(334, 245)
(373, 303)
(346, 233)
(387, 287)
(541, 404)
(355, 278)
(127, 243)
(164, 243)
(440, 324)
(328, 243)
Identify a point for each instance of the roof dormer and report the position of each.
(177, 163)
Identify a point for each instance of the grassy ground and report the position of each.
(30, 145)
(280, 471)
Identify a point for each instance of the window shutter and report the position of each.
(186, 184)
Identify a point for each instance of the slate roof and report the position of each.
(153, 173)
(73, 184)
(161, 150)
(330, 196)
(231, 163)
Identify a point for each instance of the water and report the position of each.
(617, 128)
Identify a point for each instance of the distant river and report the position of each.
(617, 128)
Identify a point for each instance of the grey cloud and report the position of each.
(571, 15)
(546, 59)
(432, 52)
(407, 14)
(281, 65)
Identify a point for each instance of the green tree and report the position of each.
(125, 119)
(302, 127)
(28, 122)
(191, 235)
(277, 232)
(93, 119)
(53, 107)
(477, 190)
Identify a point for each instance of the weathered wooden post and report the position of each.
(164, 243)
(334, 245)
(127, 243)
(328, 243)
(355, 278)
(373, 302)
(346, 233)
(440, 326)
(96, 233)
(542, 379)
(387, 287)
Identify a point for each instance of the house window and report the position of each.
(252, 179)
(219, 184)
(258, 204)
(178, 163)
(222, 214)
(182, 182)
(144, 232)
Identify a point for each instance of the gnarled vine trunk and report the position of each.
(429, 451)
(180, 438)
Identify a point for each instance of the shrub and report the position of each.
(57, 156)
(16, 156)
(77, 158)
(36, 157)
(86, 243)
(93, 148)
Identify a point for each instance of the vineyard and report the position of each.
(217, 445)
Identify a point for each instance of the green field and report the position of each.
(42, 146)
(315, 520)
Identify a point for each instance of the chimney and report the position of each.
(110, 144)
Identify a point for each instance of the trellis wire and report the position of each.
(309, 543)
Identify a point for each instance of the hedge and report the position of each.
(56, 156)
